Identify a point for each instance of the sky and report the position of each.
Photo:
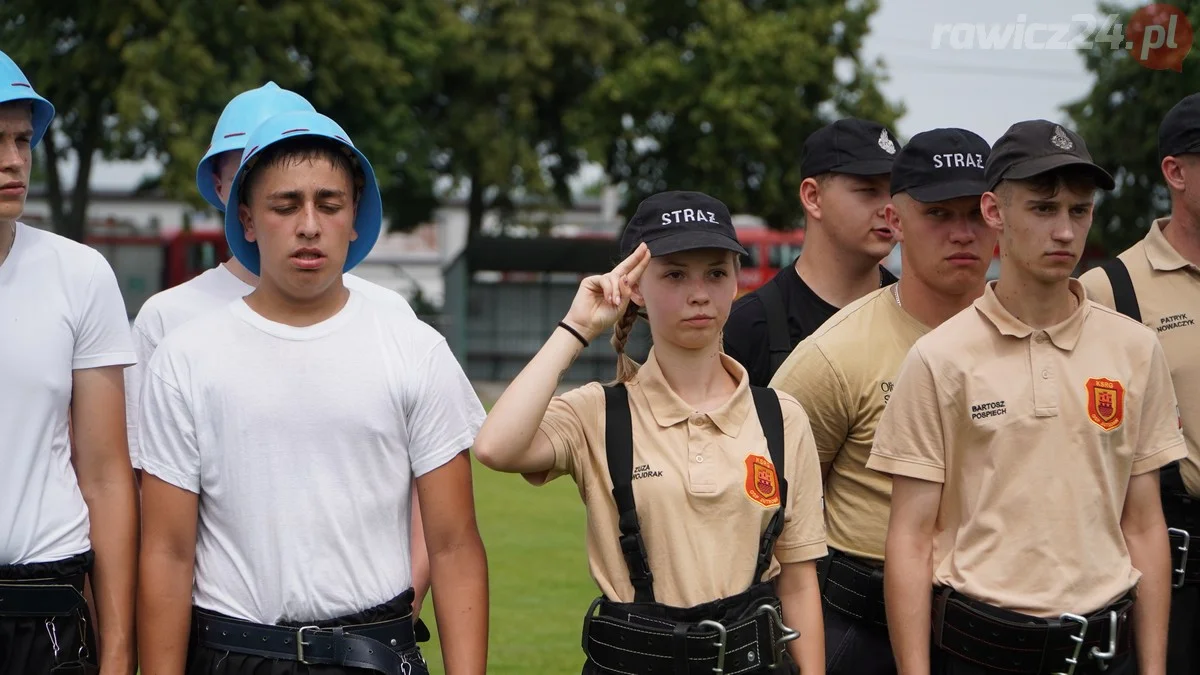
(983, 90)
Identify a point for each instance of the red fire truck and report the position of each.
(768, 252)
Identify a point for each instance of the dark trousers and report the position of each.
(1183, 634)
(854, 647)
(40, 644)
(207, 661)
(946, 664)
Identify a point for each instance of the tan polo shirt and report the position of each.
(843, 375)
(1034, 435)
(1168, 293)
(698, 485)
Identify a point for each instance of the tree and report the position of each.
(72, 59)
(512, 73)
(361, 62)
(721, 94)
(131, 80)
(1119, 120)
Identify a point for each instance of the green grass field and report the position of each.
(537, 568)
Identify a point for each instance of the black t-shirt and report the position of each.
(746, 331)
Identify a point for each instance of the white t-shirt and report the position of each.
(60, 310)
(214, 289)
(302, 444)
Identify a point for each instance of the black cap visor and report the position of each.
(1034, 167)
(940, 192)
(690, 241)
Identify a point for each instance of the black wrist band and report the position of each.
(563, 325)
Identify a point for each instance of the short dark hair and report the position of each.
(300, 149)
(19, 103)
(1047, 185)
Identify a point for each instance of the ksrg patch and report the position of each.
(1106, 402)
(762, 485)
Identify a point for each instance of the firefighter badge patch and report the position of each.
(762, 485)
(1106, 402)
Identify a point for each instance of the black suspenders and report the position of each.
(1124, 297)
(618, 445)
(618, 432)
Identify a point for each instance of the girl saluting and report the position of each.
(703, 494)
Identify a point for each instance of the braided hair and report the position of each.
(626, 367)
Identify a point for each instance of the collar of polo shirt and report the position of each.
(668, 409)
(1159, 252)
(1064, 335)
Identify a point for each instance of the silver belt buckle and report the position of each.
(300, 643)
(1078, 638)
(786, 634)
(720, 644)
(1181, 573)
(1103, 657)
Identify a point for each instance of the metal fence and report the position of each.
(506, 324)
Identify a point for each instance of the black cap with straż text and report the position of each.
(1037, 146)
(941, 164)
(853, 146)
(1179, 133)
(670, 222)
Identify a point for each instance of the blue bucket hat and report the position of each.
(368, 217)
(242, 115)
(14, 86)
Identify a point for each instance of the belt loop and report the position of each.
(823, 571)
(680, 649)
(940, 598)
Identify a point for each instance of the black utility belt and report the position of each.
(41, 597)
(377, 647)
(1017, 643)
(853, 587)
(740, 634)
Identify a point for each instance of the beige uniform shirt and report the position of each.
(1168, 293)
(698, 485)
(1034, 435)
(843, 376)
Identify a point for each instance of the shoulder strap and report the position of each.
(1124, 296)
(779, 341)
(618, 446)
(770, 416)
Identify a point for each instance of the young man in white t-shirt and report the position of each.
(216, 288)
(68, 509)
(279, 439)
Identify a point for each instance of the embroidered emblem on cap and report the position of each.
(762, 485)
(1061, 140)
(1106, 402)
(886, 143)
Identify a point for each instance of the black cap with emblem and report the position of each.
(1179, 133)
(941, 164)
(1037, 146)
(854, 146)
(671, 222)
